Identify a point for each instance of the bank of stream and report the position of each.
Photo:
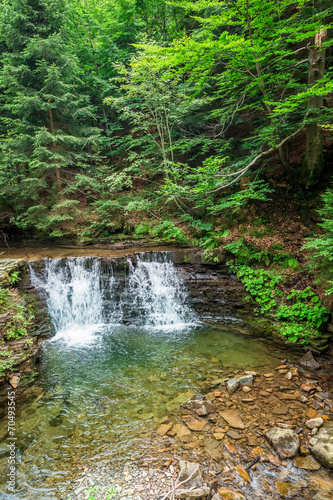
(113, 406)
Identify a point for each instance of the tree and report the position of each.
(50, 124)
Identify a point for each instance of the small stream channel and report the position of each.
(126, 344)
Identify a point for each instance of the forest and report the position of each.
(205, 123)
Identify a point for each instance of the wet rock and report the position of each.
(308, 387)
(213, 449)
(233, 418)
(228, 494)
(280, 410)
(234, 383)
(234, 435)
(201, 492)
(198, 406)
(190, 470)
(307, 463)
(163, 429)
(173, 405)
(284, 441)
(246, 388)
(309, 361)
(287, 490)
(243, 473)
(322, 446)
(314, 422)
(183, 433)
(194, 424)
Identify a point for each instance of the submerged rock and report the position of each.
(228, 494)
(322, 446)
(284, 441)
(190, 470)
(233, 418)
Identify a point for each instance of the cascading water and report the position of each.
(83, 294)
(159, 296)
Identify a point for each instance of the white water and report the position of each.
(159, 296)
(82, 297)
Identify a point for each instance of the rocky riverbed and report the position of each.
(251, 435)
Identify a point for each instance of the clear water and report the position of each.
(103, 384)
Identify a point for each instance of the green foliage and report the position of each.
(321, 246)
(169, 231)
(22, 317)
(301, 311)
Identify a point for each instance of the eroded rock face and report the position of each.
(322, 446)
(284, 441)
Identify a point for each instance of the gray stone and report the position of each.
(234, 435)
(309, 361)
(322, 446)
(284, 441)
(198, 406)
(202, 492)
(314, 422)
(188, 469)
(232, 385)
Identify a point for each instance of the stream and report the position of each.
(126, 345)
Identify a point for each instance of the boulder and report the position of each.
(200, 407)
(284, 441)
(322, 446)
(314, 422)
(309, 361)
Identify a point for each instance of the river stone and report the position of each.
(307, 463)
(309, 361)
(234, 435)
(201, 492)
(183, 433)
(233, 418)
(188, 469)
(228, 494)
(314, 422)
(198, 406)
(284, 441)
(322, 446)
(232, 385)
(287, 490)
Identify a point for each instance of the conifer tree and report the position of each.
(49, 123)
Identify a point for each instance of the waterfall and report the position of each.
(160, 298)
(85, 294)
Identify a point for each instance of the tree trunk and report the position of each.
(313, 162)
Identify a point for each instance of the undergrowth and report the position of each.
(299, 315)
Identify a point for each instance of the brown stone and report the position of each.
(287, 489)
(268, 375)
(233, 418)
(245, 388)
(311, 413)
(243, 473)
(280, 410)
(234, 435)
(194, 424)
(281, 367)
(264, 393)
(307, 462)
(273, 460)
(218, 435)
(183, 433)
(163, 429)
(227, 494)
(308, 387)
